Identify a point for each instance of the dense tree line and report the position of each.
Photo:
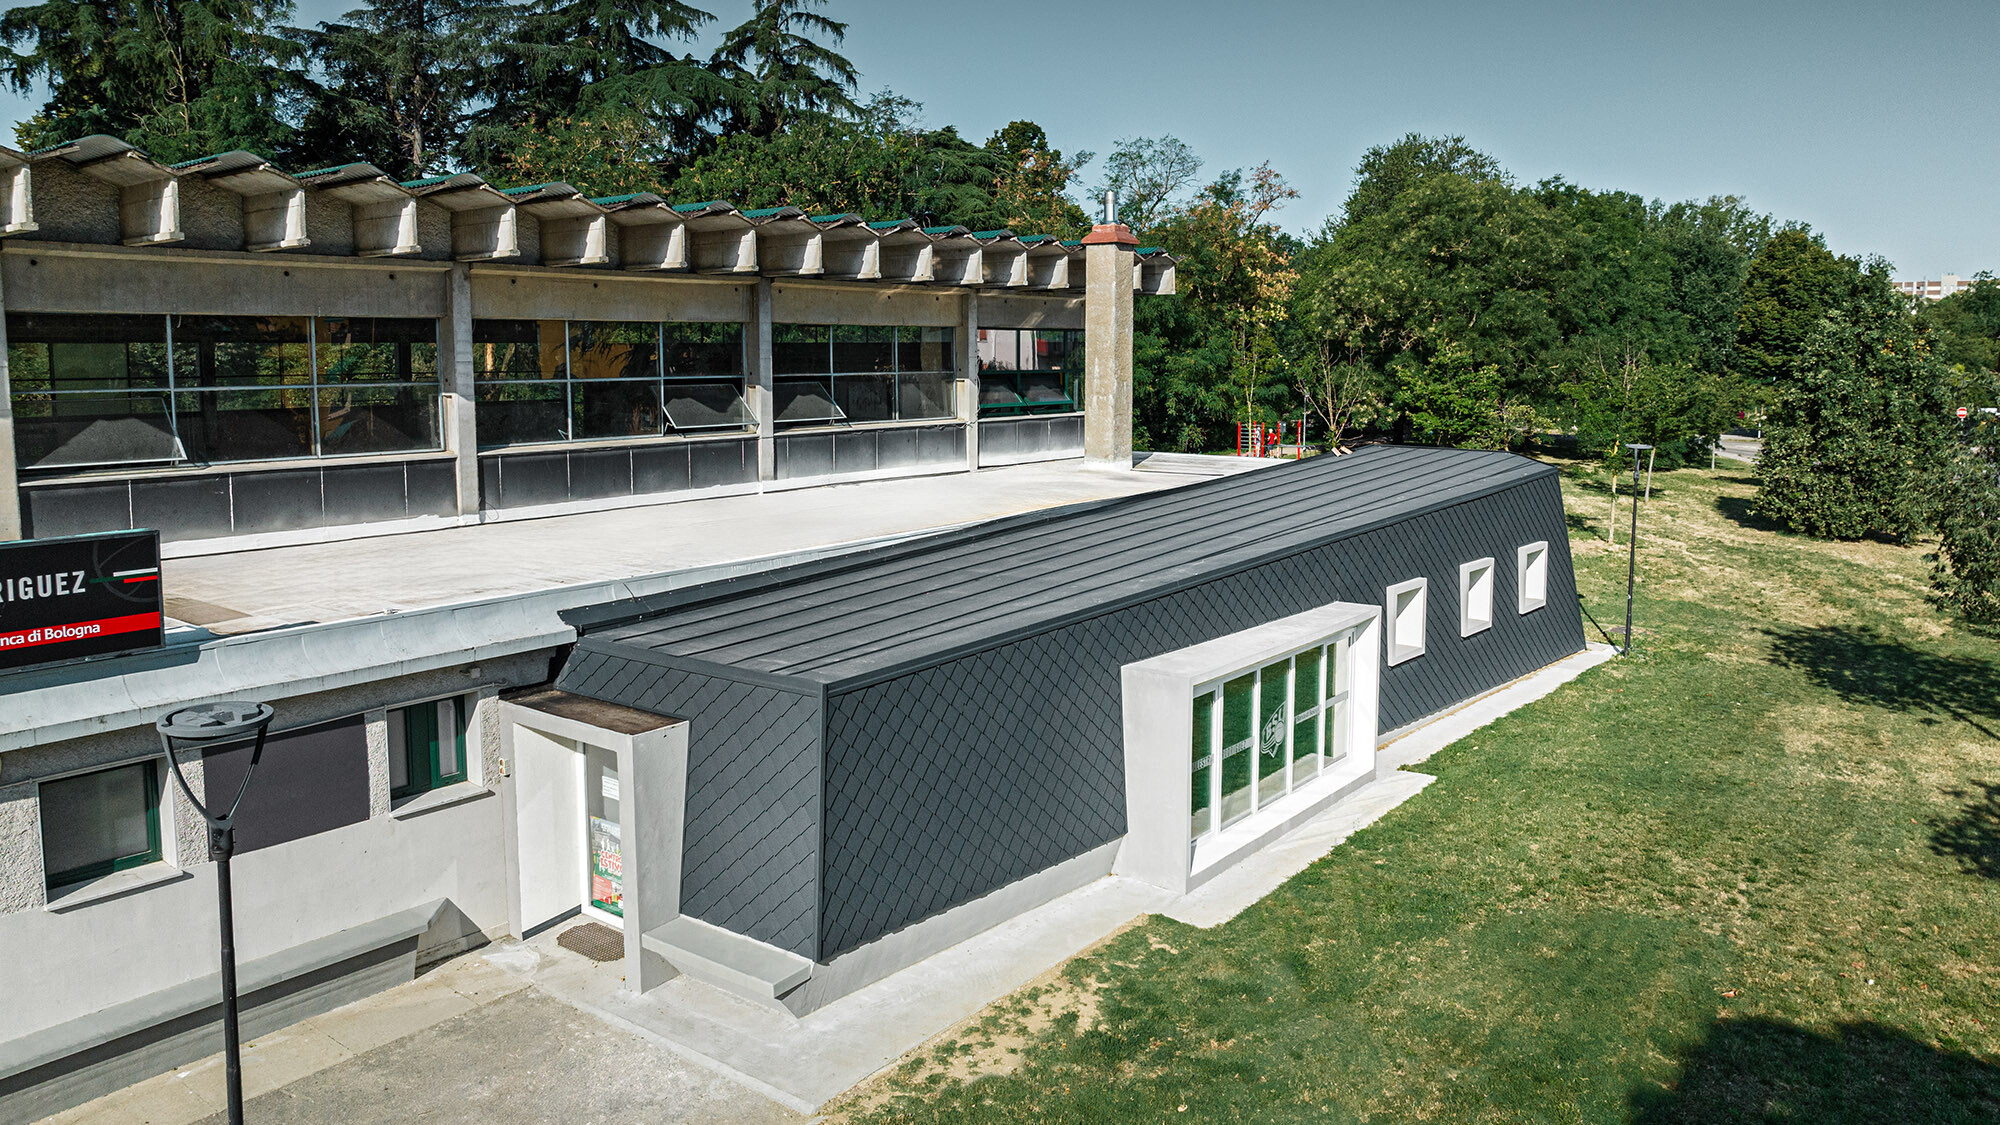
(1444, 302)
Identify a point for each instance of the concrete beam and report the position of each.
(575, 241)
(460, 405)
(386, 227)
(851, 254)
(723, 248)
(275, 220)
(651, 241)
(149, 212)
(967, 362)
(17, 199)
(757, 387)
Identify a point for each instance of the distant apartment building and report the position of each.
(1936, 290)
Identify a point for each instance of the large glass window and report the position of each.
(862, 373)
(1030, 370)
(111, 390)
(553, 380)
(1278, 727)
(100, 822)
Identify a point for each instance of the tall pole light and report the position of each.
(194, 728)
(1632, 566)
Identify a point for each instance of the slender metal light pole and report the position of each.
(1632, 566)
(195, 727)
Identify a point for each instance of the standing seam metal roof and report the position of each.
(865, 617)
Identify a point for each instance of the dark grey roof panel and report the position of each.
(863, 617)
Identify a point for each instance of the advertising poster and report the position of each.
(607, 867)
(86, 595)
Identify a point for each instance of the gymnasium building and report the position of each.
(779, 590)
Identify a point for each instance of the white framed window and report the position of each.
(1532, 571)
(1406, 603)
(1475, 597)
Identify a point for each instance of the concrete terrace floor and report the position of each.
(245, 591)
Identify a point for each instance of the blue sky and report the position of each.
(1877, 123)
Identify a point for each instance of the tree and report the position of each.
(1149, 174)
(178, 78)
(1709, 247)
(1677, 408)
(1387, 171)
(1965, 569)
(1968, 327)
(615, 153)
(1451, 400)
(590, 59)
(398, 77)
(1792, 283)
(1345, 397)
(1035, 180)
(1859, 432)
(783, 71)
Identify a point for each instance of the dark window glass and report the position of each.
(377, 419)
(801, 349)
(518, 349)
(614, 350)
(371, 349)
(242, 351)
(523, 413)
(927, 394)
(615, 408)
(866, 398)
(803, 400)
(97, 823)
(704, 349)
(1049, 349)
(706, 406)
(89, 390)
(246, 425)
(859, 348)
(926, 349)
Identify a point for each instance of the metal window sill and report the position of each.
(115, 885)
(455, 794)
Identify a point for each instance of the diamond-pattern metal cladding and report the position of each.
(950, 782)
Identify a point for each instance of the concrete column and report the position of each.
(10, 484)
(967, 362)
(758, 387)
(1107, 346)
(461, 426)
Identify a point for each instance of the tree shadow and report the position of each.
(1740, 511)
(1862, 666)
(1770, 1071)
(1972, 837)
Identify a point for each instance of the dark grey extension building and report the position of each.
(1149, 684)
(779, 590)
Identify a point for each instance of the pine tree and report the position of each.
(399, 75)
(178, 78)
(601, 60)
(783, 71)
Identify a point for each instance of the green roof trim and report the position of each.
(1072, 242)
(426, 181)
(885, 224)
(686, 208)
(1150, 250)
(842, 217)
(1002, 233)
(947, 228)
(331, 169)
(626, 198)
(763, 212)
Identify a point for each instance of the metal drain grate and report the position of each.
(594, 940)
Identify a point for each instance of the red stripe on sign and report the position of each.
(78, 631)
(142, 578)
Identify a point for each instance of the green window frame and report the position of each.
(427, 745)
(1278, 726)
(149, 782)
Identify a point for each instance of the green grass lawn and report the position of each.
(1750, 874)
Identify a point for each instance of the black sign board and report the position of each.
(87, 595)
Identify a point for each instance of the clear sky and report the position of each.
(1877, 123)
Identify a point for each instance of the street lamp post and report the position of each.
(193, 728)
(1632, 565)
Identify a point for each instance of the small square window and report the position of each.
(1533, 571)
(1475, 597)
(427, 745)
(96, 823)
(1406, 604)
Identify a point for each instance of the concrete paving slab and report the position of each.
(1248, 880)
(359, 577)
(524, 1057)
(402, 1011)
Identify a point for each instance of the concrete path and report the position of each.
(468, 1042)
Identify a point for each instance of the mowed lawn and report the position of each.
(1750, 874)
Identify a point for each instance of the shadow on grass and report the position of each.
(1737, 510)
(1862, 666)
(1973, 836)
(1764, 1070)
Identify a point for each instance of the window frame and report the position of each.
(53, 881)
(1328, 714)
(569, 386)
(830, 380)
(422, 772)
(1397, 647)
(1531, 576)
(1472, 576)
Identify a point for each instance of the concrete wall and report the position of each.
(160, 932)
(51, 279)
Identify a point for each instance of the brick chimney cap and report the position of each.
(1114, 234)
